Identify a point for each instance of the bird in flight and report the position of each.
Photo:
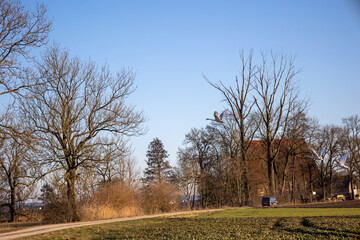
(217, 117)
(342, 160)
(317, 155)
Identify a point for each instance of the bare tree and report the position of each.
(240, 105)
(351, 136)
(128, 171)
(330, 140)
(20, 31)
(294, 163)
(310, 136)
(109, 154)
(188, 174)
(115, 162)
(78, 104)
(15, 171)
(276, 99)
(199, 142)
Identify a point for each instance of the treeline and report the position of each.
(209, 165)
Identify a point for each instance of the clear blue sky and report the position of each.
(170, 44)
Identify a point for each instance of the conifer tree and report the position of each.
(158, 168)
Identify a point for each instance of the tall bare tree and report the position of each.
(277, 97)
(330, 140)
(351, 136)
(240, 103)
(294, 148)
(78, 104)
(310, 136)
(20, 31)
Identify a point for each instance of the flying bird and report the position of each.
(317, 155)
(217, 117)
(342, 160)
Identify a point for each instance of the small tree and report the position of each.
(158, 168)
(187, 174)
(15, 170)
(199, 144)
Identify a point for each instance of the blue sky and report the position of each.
(171, 44)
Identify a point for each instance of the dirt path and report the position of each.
(28, 232)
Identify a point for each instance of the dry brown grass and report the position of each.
(113, 201)
(106, 212)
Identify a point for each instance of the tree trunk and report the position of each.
(246, 187)
(271, 176)
(293, 180)
(311, 185)
(12, 205)
(270, 168)
(283, 181)
(71, 195)
(293, 186)
(194, 197)
(352, 188)
(331, 184)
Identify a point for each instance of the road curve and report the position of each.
(31, 231)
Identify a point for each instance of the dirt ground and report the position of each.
(329, 204)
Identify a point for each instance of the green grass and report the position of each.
(285, 212)
(229, 224)
(10, 227)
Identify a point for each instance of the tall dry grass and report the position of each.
(112, 201)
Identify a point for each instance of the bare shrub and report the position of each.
(113, 200)
(55, 204)
(160, 197)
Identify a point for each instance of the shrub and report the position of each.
(56, 207)
(160, 197)
(113, 200)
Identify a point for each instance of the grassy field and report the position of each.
(9, 227)
(285, 212)
(230, 224)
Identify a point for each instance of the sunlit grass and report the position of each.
(230, 224)
(285, 212)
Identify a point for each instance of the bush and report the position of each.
(56, 207)
(111, 201)
(160, 197)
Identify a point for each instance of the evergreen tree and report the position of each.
(158, 168)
